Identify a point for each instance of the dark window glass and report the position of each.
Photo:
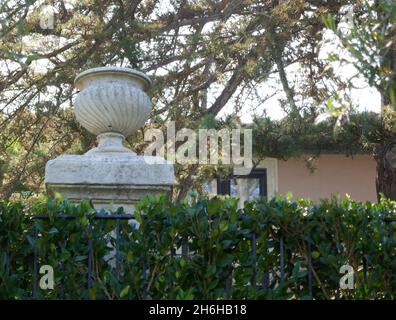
(250, 186)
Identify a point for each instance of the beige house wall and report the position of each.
(333, 174)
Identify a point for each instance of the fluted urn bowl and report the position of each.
(112, 99)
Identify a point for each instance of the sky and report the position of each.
(363, 97)
(366, 98)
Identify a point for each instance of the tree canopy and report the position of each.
(204, 57)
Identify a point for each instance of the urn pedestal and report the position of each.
(112, 103)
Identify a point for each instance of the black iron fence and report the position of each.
(184, 251)
(90, 272)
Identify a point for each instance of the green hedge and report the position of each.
(202, 248)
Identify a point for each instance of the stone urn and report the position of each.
(112, 103)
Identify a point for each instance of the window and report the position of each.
(246, 187)
(262, 181)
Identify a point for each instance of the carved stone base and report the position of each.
(110, 180)
(107, 197)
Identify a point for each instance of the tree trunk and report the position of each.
(386, 175)
(385, 154)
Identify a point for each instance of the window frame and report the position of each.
(224, 185)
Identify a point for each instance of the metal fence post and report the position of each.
(254, 260)
(282, 258)
(118, 249)
(35, 263)
(90, 258)
(309, 253)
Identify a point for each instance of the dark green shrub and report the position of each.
(201, 248)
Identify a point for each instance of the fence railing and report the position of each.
(90, 278)
(184, 251)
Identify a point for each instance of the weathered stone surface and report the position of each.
(112, 99)
(108, 170)
(112, 104)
